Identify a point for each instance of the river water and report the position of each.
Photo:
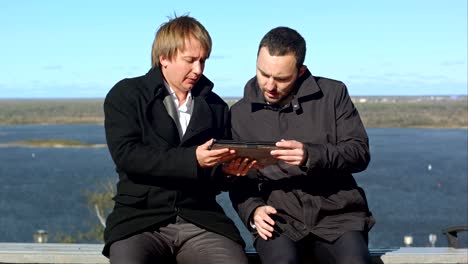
(416, 183)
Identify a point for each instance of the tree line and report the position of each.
(375, 113)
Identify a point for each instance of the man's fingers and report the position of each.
(226, 158)
(240, 166)
(207, 144)
(248, 166)
(264, 221)
(267, 227)
(270, 209)
(290, 144)
(265, 233)
(263, 236)
(243, 165)
(287, 152)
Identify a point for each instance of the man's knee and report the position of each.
(139, 249)
(270, 257)
(278, 250)
(209, 247)
(351, 248)
(121, 252)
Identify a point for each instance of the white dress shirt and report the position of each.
(184, 111)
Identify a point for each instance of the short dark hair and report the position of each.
(281, 41)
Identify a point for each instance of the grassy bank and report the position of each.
(408, 113)
(436, 112)
(51, 143)
(50, 111)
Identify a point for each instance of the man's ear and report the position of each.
(163, 61)
(302, 70)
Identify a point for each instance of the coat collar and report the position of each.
(165, 125)
(154, 80)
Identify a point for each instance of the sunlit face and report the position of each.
(184, 70)
(276, 75)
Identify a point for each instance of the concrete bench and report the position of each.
(52, 253)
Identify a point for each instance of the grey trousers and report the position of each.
(181, 242)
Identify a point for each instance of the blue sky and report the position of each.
(80, 49)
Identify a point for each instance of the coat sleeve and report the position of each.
(350, 153)
(245, 198)
(124, 136)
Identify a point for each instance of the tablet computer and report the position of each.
(259, 151)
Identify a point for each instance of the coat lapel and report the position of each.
(172, 112)
(161, 121)
(202, 119)
(163, 124)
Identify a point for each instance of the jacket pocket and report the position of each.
(131, 194)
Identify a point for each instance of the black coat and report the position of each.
(321, 197)
(159, 176)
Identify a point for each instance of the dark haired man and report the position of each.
(308, 205)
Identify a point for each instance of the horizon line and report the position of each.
(224, 97)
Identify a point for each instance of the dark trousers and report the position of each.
(350, 248)
(181, 242)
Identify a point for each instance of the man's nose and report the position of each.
(270, 84)
(197, 68)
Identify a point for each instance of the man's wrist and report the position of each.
(306, 162)
(252, 225)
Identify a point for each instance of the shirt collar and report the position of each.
(188, 101)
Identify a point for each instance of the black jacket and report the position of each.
(321, 197)
(159, 176)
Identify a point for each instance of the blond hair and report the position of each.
(171, 37)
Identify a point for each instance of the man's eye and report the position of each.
(282, 79)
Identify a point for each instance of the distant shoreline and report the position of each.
(449, 111)
(50, 143)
